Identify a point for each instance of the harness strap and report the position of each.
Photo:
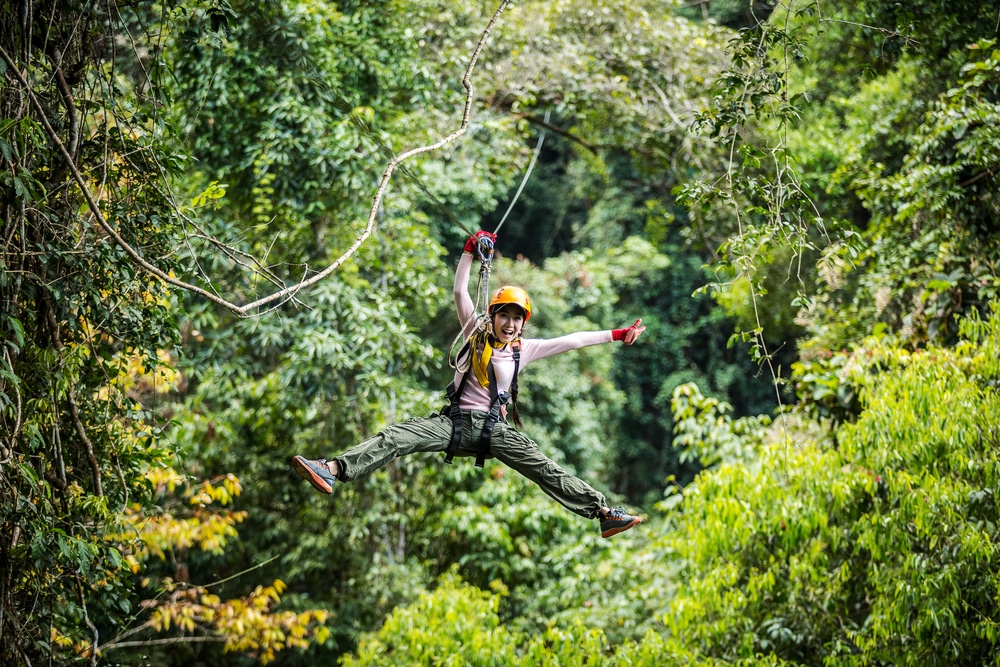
(454, 394)
(515, 347)
(498, 399)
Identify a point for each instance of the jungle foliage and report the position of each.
(800, 201)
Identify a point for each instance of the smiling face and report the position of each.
(507, 323)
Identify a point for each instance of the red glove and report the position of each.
(473, 243)
(628, 335)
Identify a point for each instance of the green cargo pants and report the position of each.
(507, 445)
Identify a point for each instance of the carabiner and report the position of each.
(485, 249)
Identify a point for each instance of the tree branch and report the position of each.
(7, 453)
(289, 292)
(92, 661)
(162, 642)
(558, 130)
(95, 467)
(74, 116)
(982, 174)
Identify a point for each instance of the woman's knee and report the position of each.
(510, 447)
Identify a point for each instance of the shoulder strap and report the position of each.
(515, 347)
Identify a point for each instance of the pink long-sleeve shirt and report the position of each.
(476, 397)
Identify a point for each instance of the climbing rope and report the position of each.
(479, 311)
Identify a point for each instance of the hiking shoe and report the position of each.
(617, 520)
(316, 472)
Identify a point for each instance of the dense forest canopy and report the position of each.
(799, 199)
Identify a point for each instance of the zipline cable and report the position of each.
(531, 165)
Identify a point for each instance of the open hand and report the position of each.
(630, 334)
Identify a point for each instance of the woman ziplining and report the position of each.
(485, 383)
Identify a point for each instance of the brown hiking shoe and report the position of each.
(316, 472)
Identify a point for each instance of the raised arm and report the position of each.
(463, 302)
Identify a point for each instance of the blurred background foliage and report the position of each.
(799, 200)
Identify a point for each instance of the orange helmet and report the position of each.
(515, 295)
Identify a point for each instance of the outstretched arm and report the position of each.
(539, 348)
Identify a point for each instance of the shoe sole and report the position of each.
(621, 529)
(306, 472)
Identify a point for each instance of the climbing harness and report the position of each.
(498, 399)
